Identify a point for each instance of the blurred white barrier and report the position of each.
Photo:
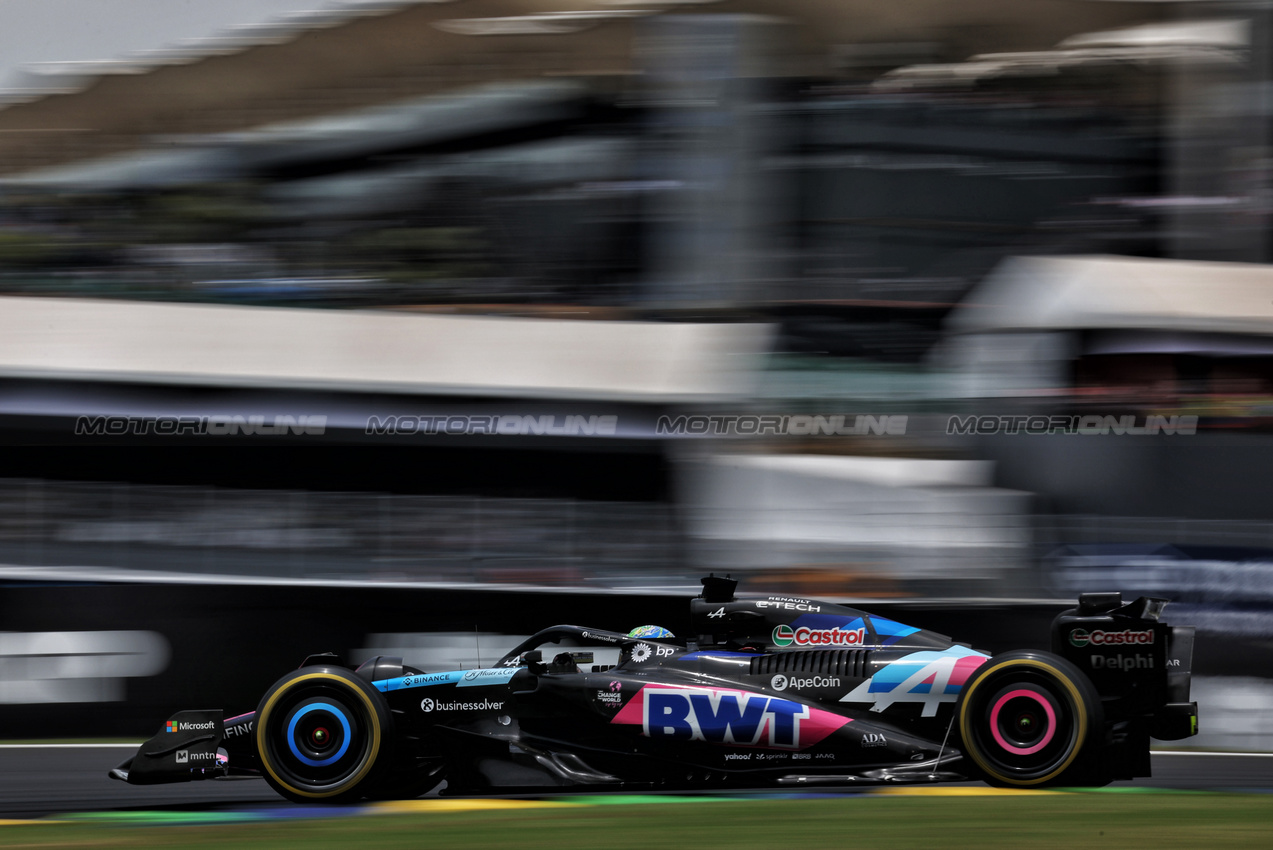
(363, 350)
(902, 517)
(1234, 713)
(89, 666)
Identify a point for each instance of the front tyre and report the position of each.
(320, 733)
(1029, 719)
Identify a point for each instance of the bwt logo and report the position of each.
(1127, 637)
(693, 714)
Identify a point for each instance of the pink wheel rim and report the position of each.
(1002, 742)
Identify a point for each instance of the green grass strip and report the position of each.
(1133, 789)
(150, 818)
(647, 799)
(1040, 822)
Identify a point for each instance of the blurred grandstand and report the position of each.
(917, 199)
(520, 154)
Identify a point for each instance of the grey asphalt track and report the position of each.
(42, 781)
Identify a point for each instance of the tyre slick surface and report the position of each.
(321, 733)
(1026, 719)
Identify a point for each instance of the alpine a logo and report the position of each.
(927, 677)
(1127, 637)
(784, 635)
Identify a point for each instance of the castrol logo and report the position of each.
(1127, 637)
(787, 636)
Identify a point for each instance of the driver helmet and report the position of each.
(650, 632)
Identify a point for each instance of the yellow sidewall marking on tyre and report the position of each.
(262, 723)
(1079, 713)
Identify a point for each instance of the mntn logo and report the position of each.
(723, 718)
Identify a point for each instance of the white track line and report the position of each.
(1205, 753)
(66, 746)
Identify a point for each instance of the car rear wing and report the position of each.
(1140, 666)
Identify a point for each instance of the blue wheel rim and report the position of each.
(291, 734)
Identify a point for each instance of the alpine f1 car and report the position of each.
(768, 691)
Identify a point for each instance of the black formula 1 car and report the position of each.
(770, 691)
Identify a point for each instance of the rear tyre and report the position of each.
(1029, 719)
(320, 735)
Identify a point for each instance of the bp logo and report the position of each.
(783, 635)
(426, 704)
(1080, 637)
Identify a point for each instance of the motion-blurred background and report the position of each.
(887, 301)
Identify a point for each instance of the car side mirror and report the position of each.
(535, 662)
